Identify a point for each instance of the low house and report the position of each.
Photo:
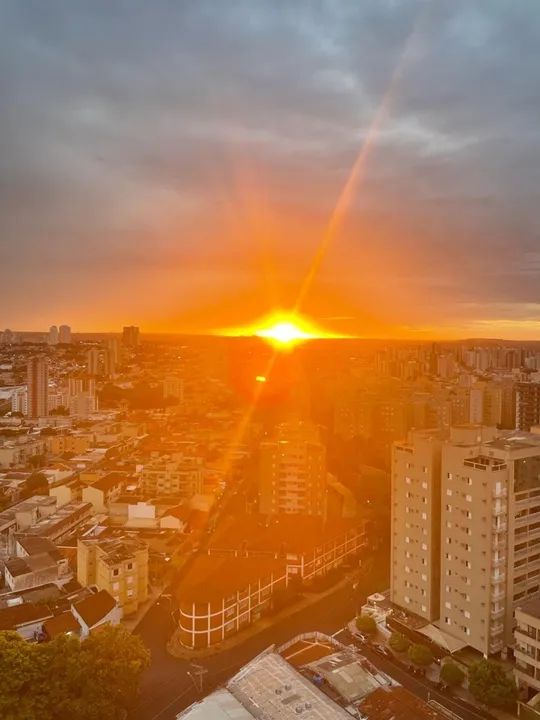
(27, 619)
(95, 612)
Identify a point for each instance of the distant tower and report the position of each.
(8, 337)
(112, 356)
(130, 336)
(92, 362)
(53, 335)
(38, 387)
(64, 334)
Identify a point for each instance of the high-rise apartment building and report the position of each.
(415, 542)
(130, 336)
(38, 387)
(292, 471)
(93, 365)
(64, 334)
(488, 532)
(53, 335)
(527, 405)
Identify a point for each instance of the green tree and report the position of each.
(366, 624)
(65, 678)
(35, 481)
(490, 684)
(452, 674)
(420, 655)
(399, 642)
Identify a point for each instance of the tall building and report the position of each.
(38, 387)
(489, 533)
(527, 405)
(93, 367)
(53, 335)
(64, 334)
(111, 356)
(416, 501)
(292, 471)
(130, 336)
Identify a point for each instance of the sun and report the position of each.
(284, 332)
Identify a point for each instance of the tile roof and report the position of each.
(60, 624)
(13, 617)
(94, 608)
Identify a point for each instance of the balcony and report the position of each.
(496, 629)
(497, 614)
(496, 579)
(498, 561)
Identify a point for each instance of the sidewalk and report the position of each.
(131, 622)
(179, 651)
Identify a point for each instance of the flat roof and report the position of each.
(220, 705)
(271, 689)
(298, 533)
(211, 577)
(348, 674)
(531, 607)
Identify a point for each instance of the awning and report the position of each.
(442, 639)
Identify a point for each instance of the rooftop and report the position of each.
(94, 608)
(13, 617)
(60, 624)
(107, 482)
(531, 607)
(272, 690)
(297, 533)
(396, 703)
(211, 577)
(353, 677)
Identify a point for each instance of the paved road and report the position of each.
(166, 687)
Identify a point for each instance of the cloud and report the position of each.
(199, 147)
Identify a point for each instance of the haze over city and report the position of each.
(269, 360)
(179, 163)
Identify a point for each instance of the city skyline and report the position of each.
(189, 161)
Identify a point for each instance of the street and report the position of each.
(166, 687)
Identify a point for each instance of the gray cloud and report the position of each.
(135, 135)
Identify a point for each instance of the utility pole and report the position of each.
(196, 673)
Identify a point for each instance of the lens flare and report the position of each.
(283, 330)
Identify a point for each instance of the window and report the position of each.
(130, 566)
(116, 572)
(129, 580)
(449, 492)
(116, 586)
(130, 593)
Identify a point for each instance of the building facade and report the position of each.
(292, 472)
(38, 387)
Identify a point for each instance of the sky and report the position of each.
(180, 165)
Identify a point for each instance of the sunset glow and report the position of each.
(283, 330)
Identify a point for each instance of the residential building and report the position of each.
(64, 334)
(173, 387)
(130, 336)
(490, 552)
(292, 471)
(38, 562)
(527, 645)
(104, 491)
(118, 565)
(165, 476)
(93, 362)
(96, 611)
(38, 387)
(415, 521)
(53, 335)
(527, 405)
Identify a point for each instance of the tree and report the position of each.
(37, 461)
(65, 678)
(366, 624)
(420, 655)
(490, 684)
(452, 674)
(399, 642)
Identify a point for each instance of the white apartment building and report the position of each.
(489, 532)
(415, 546)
